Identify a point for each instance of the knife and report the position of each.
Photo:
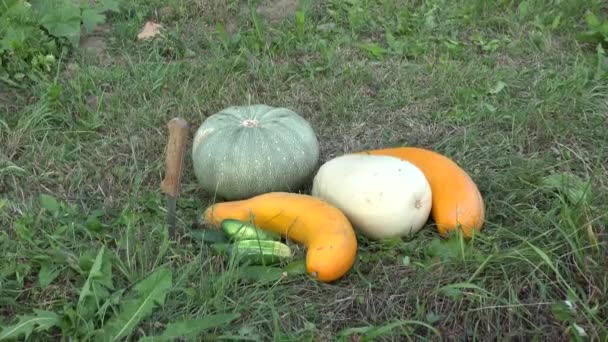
(176, 147)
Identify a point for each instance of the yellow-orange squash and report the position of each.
(325, 231)
(457, 202)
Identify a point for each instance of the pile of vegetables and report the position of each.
(328, 235)
(258, 158)
(248, 244)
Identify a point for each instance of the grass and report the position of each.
(505, 88)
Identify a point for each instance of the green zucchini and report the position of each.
(260, 252)
(240, 230)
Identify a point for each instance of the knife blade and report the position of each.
(175, 150)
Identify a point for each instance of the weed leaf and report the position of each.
(49, 203)
(451, 292)
(146, 295)
(63, 22)
(433, 318)
(95, 289)
(191, 328)
(373, 50)
(497, 88)
(91, 18)
(577, 331)
(563, 311)
(48, 272)
(593, 21)
(296, 267)
(454, 290)
(574, 188)
(371, 333)
(42, 320)
(451, 249)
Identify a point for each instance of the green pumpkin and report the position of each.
(244, 151)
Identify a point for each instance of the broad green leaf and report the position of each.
(593, 21)
(390, 40)
(489, 107)
(604, 29)
(41, 6)
(578, 331)
(433, 318)
(373, 50)
(451, 249)
(191, 328)
(556, 21)
(387, 328)
(91, 18)
(49, 203)
(15, 9)
(95, 289)
(300, 18)
(523, 9)
(296, 267)
(451, 292)
(497, 88)
(372, 333)
(573, 187)
(145, 296)
(48, 272)
(42, 320)
(93, 223)
(63, 21)
(563, 311)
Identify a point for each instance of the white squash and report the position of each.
(382, 196)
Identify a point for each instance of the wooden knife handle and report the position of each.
(176, 148)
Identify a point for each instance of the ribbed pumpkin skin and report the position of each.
(243, 151)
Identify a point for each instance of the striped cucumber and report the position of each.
(260, 252)
(240, 230)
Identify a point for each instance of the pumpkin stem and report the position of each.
(249, 123)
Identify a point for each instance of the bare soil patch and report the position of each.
(277, 11)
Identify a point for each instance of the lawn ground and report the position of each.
(505, 88)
